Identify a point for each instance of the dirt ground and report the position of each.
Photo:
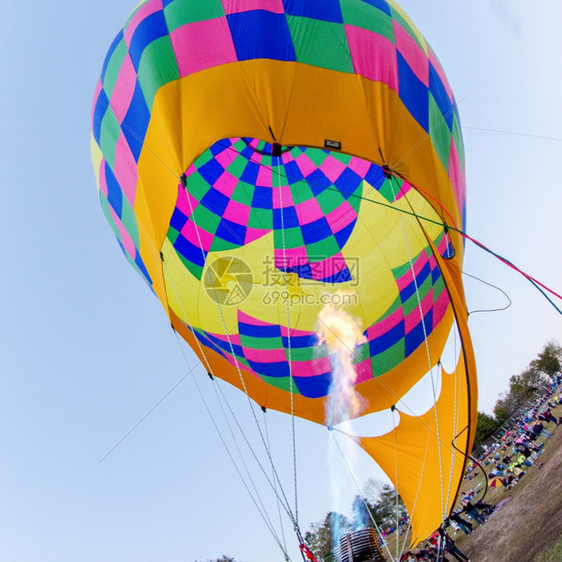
(530, 522)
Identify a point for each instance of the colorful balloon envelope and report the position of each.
(260, 160)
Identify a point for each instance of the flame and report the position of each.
(342, 334)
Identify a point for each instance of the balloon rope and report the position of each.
(512, 133)
(237, 365)
(509, 302)
(209, 370)
(262, 511)
(397, 504)
(425, 339)
(504, 260)
(452, 226)
(243, 383)
(429, 434)
(456, 408)
(263, 514)
(275, 483)
(277, 159)
(223, 401)
(430, 366)
(537, 284)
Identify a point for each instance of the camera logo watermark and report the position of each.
(276, 296)
(340, 269)
(228, 281)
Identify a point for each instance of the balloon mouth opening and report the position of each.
(316, 192)
(251, 161)
(264, 148)
(294, 223)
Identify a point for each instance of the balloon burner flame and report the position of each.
(342, 335)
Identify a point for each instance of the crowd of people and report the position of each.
(439, 545)
(507, 460)
(518, 449)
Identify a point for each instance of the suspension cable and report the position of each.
(287, 507)
(394, 425)
(274, 482)
(291, 377)
(425, 338)
(456, 405)
(237, 366)
(263, 514)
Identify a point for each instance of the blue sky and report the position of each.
(86, 350)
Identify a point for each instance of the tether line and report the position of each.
(537, 284)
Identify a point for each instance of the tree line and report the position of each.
(522, 387)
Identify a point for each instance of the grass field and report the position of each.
(528, 527)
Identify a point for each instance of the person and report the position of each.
(451, 548)
(547, 417)
(422, 554)
(485, 508)
(472, 512)
(434, 553)
(508, 480)
(517, 470)
(538, 430)
(464, 525)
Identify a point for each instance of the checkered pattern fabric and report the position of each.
(422, 303)
(237, 192)
(184, 36)
(263, 347)
(167, 40)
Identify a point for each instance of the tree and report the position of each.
(322, 537)
(506, 405)
(485, 426)
(521, 387)
(548, 360)
(532, 378)
(382, 501)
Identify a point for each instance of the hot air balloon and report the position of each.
(261, 160)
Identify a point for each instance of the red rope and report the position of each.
(306, 551)
(508, 263)
(473, 240)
